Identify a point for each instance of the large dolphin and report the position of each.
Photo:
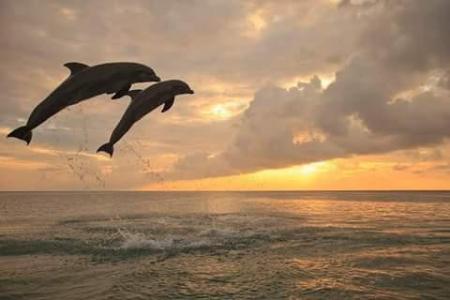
(83, 83)
(144, 102)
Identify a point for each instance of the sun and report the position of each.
(310, 169)
(220, 112)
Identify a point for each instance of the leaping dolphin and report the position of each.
(83, 83)
(144, 102)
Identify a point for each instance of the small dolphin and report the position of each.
(83, 83)
(144, 102)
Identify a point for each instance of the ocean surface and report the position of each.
(225, 245)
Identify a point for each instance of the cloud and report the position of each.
(403, 44)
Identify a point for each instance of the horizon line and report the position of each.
(233, 191)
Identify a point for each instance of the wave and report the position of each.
(132, 240)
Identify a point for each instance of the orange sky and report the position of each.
(384, 172)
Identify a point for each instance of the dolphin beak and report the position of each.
(156, 78)
(191, 92)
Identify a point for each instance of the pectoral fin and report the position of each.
(122, 92)
(75, 67)
(133, 93)
(168, 104)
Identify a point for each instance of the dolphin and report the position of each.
(143, 102)
(85, 82)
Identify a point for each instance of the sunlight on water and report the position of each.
(272, 245)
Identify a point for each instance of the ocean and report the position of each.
(225, 245)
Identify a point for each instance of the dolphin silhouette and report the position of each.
(83, 83)
(144, 102)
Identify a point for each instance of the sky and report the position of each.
(290, 94)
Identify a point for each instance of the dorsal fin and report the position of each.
(75, 67)
(133, 93)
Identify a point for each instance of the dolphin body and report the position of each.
(144, 102)
(83, 83)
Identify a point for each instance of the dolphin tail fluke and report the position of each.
(108, 148)
(22, 133)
